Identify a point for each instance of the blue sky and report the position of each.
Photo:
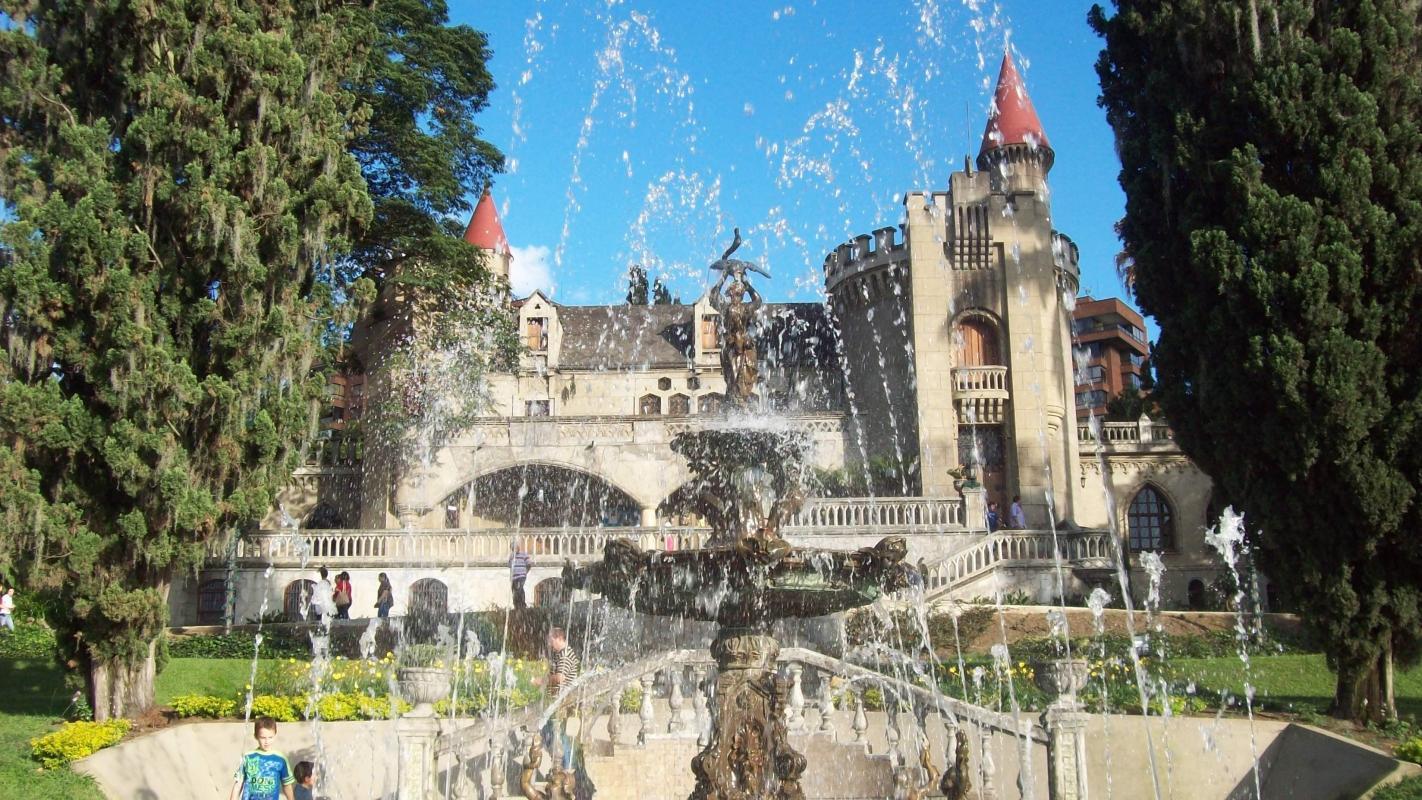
(641, 133)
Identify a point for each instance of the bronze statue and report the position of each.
(738, 351)
(955, 783)
(561, 784)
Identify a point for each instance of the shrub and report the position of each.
(1410, 750)
(338, 707)
(75, 740)
(631, 700)
(239, 644)
(281, 708)
(202, 705)
(31, 639)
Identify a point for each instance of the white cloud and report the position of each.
(531, 270)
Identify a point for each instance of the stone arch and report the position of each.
(324, 516)
(544, 493)
(296, 598)
(978, 339)
(1150, 519)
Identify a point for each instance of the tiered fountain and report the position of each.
(748, 478)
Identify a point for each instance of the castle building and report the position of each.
(937, 377)
(1111, 352)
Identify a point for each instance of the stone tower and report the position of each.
(956, 339)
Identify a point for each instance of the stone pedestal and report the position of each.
(417, 757)
(1065, 721)
(749, 753)
(974, 507)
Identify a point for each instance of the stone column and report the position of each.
(1065, 721)
(417, 757)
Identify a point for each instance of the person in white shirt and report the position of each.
(7, 609)
(1016, 519)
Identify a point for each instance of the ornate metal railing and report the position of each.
(826, 697)
(1091, 549)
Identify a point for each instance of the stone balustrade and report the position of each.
(847, 520)
(987, 381)
(826, 698)
(1143, 431)
(1085, 549)
(897, 512)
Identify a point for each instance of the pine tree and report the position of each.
(637, 290)
(1272, 163)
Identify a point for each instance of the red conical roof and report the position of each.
(484, 229)
(1013, 120)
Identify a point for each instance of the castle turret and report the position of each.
(486, 232)
(1014, 144)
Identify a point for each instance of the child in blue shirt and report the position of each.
(264, 773)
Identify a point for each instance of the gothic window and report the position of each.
(536, 333)
(679, 405)
(212, 601)
(1150, 521)
(708, 403)
(649, 405)
(977, 343)
(693, 383)
(709, 340)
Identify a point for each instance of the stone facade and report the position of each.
(944, 350)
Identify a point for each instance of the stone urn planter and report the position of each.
(1063, 678)
(422, 687)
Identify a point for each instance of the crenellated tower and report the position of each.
(956, 336)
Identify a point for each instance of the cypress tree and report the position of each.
(202, 194)
(1272, 164)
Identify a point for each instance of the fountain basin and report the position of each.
(746, 584)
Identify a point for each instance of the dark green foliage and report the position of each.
(30, 640)
(1272, 163)
(1129, 405)
(636, 286)
(202, 194)
(239, 644)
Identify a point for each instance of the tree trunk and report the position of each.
(123, 688)
(1364, 691)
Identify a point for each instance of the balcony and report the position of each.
(980, 394)
(1143, 435)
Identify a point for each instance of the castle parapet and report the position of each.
(864, 253)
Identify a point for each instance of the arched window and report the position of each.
(977, 343)
(297, 598)
(708, 403)
(429, 598)
(679, 405)
(1195, 594)
(212, 601)
(649, 405)
(1150, 521)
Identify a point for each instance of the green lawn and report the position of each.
(223, 677)
(33, 699)
(1289, 682)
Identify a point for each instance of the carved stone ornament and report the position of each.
(749, 755)
(957, 782)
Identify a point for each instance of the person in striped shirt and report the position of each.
(563, 669)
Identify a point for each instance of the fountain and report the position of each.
(747, 483)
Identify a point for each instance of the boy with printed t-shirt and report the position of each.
(264, 773)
